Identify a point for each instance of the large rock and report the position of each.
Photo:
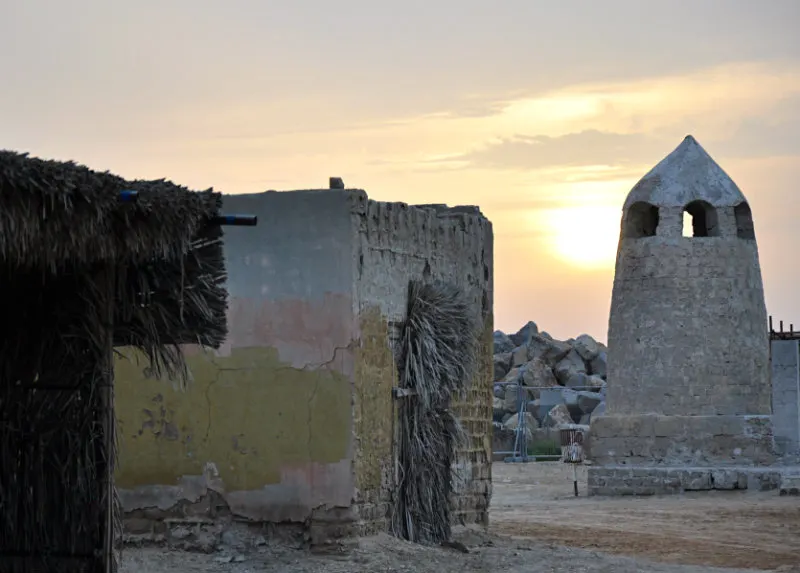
(524, 334)
(513, 376)
(530, 424)
(502, 364)
(547, 400)
(582, 381)
(546, 349)
(536, 373)
(596, 383)
(597, 366)
(558, 416)
(511, 400)
(588, 401)
(538, 410)
(599, 410)
(552, 396)
(502, 343)
(519, 356)
(586, 347)
(570, 398)
(568, 366)
(579, 381)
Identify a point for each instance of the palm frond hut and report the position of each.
(84, 268)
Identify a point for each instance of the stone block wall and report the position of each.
(687, 331)
(688, 363)
(653, 440)
(395, 244)
(620, 480)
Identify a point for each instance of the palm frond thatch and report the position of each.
(56, 214)
(437, 360)
(81, 272)
(169, 261)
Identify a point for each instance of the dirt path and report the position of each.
(724, 529)
(538, 526)
(488, 554)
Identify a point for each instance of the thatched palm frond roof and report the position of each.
(60, 213)
(168, 260)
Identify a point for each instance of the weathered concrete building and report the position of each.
(689, 392)
(292, 422)
(785, 360)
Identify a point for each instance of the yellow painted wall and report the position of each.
(375, 375)
(248, 413)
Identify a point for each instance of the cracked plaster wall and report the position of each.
(292, 419)
(266, 422)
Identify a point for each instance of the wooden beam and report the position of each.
(402, 392)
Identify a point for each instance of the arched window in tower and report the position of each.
(700, 220)
(641, 220)
(744, 221)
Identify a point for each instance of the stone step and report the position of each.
(790, 484)
(661, 480)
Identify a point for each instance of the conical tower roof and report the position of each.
(687, 174)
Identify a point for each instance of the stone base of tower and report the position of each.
(660, 480)
(654, 454)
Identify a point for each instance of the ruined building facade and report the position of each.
(292, 421)
(688, 369)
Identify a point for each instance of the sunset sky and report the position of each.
(544, 113)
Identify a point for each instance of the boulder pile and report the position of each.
(556, 382)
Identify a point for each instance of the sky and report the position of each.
(543, 113)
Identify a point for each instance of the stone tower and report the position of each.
(688, 367)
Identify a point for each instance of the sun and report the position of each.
(586, 236)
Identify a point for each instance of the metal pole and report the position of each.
(235, 220)
(575, 478)
(523, 419)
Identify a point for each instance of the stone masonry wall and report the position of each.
(687, 331)
(615, 481)
(396, 243)
(653, 440)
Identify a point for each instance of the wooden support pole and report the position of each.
(105, 307)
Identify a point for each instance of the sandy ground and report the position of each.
(539, 526)
(723, 529)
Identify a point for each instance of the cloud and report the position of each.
(774, 133)
(771, 129)
(585, 148)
